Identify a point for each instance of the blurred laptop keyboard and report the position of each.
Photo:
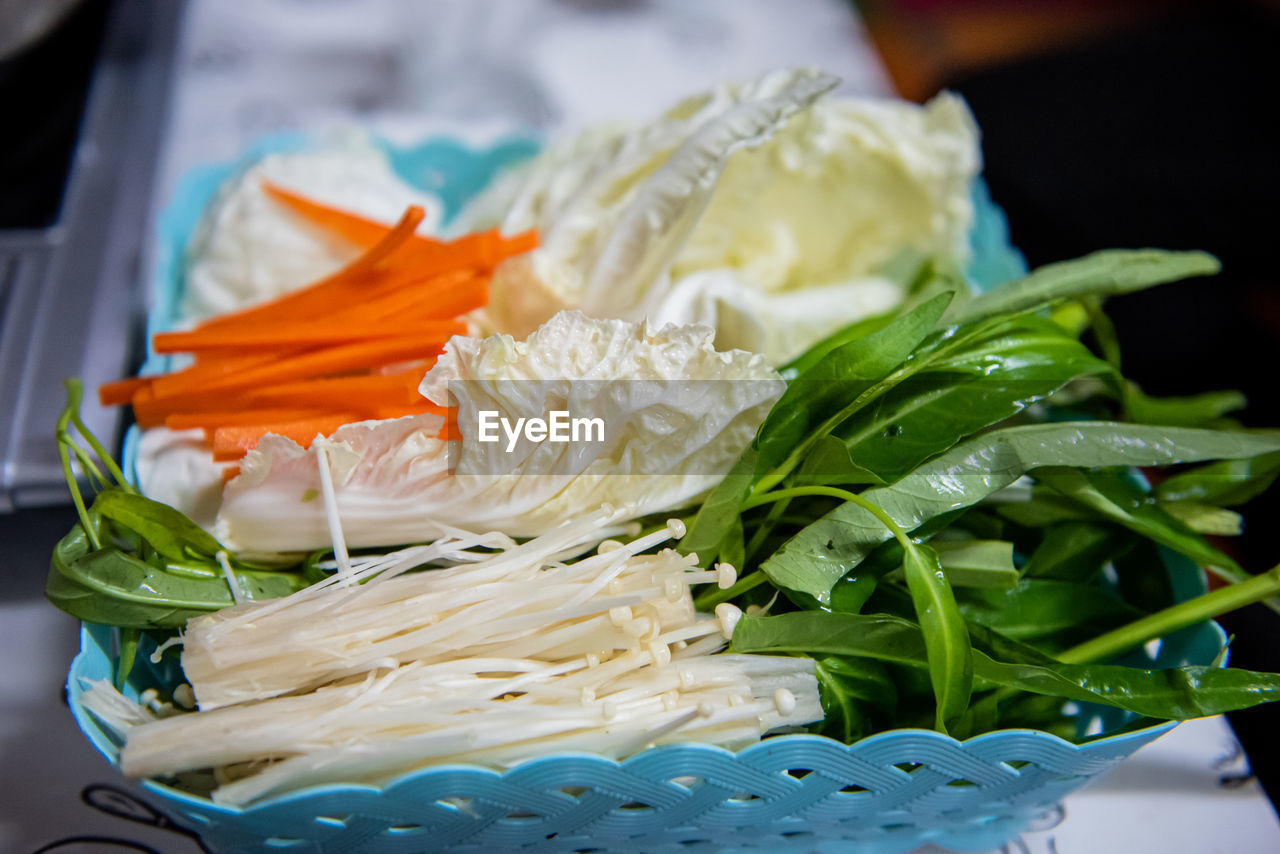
(85, 107)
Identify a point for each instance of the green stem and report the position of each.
(63, 438)
(835, 492)
(713, 597)
(98, 449)
(766, 526)
(1104, 331)
(1175, 617)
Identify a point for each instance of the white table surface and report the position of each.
(249, 68)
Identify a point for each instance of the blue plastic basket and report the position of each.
(888, 793)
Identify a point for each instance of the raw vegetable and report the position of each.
(764, 211)
(918, 520)
(248, 248)
(929, 530)
(675, 415)
(883, 441)
(136, 563)
(392, 307)
(507, 655)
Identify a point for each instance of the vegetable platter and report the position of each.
(876, 547)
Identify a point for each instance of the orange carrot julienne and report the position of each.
(366, 391)
(202, 373)
(319, 297)
(329, 360)
(356, 391)
(519, 244)
(231, 443)
(484, 249)
(238, 418)
(352, 346)
(354, 228)
(314, 333)
(121, 391)
(401, 232)
(365, 232)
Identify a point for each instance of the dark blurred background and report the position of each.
(1134, 124)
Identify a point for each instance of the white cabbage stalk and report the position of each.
(676, 415)
(501, 658)
(751, 209)
(248, 247)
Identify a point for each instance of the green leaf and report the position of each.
(829, 464)
(851, 689)
(829, 390)
(127, 653)
(1077, 551)
(945, 635)
(991, 378)
(876, 636)
(977, 563)
(115, 588)
(815, 354)
(1045, 508)
(822, 552)
(1040, 608)
(1173, 694)
(850, 593)
(1205, 518)
(1178, 693)
(1225, 483)
(1196, 410)
(1113, 496)
(165, 529)
(720, 511)
(1114, 271)
(733, 547)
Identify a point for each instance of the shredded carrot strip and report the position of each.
(121, 391)
(315, 333)
(351, 346)
(360, 355)
(363, 391)
(239, 418)
(352, 227)
(319, 298)
(232, 443)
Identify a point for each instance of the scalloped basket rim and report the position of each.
(1111, 746)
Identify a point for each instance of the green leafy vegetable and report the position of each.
(1173, 694)
(1077, 551)
(945, 636)
(1115, 497)
(136, 563)
(1197, 410)
(977, 563)
(830, 390)
(1225, 483)
(1114, 271)
(1205, 518)
(817, 556)
(991, 378)
(1041, 608)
